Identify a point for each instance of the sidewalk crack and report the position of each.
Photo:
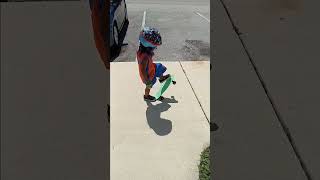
(274, 107)
(194, 93)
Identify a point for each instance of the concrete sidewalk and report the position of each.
(160, 140)
(250, 143)
(283, 41)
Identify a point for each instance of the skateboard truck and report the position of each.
(173, 81)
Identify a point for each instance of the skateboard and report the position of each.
(164, 86)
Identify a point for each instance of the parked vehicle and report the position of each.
(118, 22)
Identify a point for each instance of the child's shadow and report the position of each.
(160, 125)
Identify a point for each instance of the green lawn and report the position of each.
(204, 166)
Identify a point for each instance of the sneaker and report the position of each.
(149, 98)
(164, 78)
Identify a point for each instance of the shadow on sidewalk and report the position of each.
(160, 126)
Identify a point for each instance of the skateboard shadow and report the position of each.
(159, 125)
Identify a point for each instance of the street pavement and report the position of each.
(282, 40)
(54, 91)
(185, 34)
(158, 140)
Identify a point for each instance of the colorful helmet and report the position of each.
(150, 37)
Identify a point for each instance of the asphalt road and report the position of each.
(184, 26)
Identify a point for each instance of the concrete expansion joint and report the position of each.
(184, 72)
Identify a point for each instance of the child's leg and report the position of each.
(147, 91)
(147, 95)
(160, 69)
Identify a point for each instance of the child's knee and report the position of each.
(164, 69)
(149, 86)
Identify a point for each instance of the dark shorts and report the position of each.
(160, 69)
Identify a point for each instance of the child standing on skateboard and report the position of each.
(149, 71)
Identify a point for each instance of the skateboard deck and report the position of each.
(164, 86)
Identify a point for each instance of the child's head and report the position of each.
(148, 50)
(149, 39)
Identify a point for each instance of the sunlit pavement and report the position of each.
(159, 140)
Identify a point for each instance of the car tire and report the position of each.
(115, 35)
